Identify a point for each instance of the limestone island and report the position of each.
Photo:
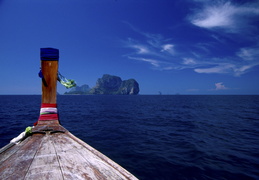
(108, 85)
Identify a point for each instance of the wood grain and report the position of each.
(16, 166)
(45, 164)
(58, 156)
(49, 88)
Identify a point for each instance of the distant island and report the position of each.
(108, 85)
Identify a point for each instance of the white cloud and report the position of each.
(227, 68)
(215, 16)
(161, 54)
(220, 86)
(153, 62)
(249, 53)
(219, 69)
(189, 61)
(168, 48)
(244, 69)
(224, 14)
(157, 64)
(141, 49)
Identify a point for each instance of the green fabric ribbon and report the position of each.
(68, 83)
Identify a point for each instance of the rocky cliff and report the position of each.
(84, 89)
(130, 87)
(108, 84)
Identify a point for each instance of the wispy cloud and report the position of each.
(227, 68)
(162, 53)
(168, 48)
(249, 54)
(219, 69)
(154, 50)
(189, 61)
(153, 62)
(215, 16)
(244, 69)
(224, 14)
(141, 49)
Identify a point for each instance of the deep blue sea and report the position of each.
(156, 137)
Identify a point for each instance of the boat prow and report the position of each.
(50, 151)
(55, 153)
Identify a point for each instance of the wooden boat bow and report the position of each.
(51, 151)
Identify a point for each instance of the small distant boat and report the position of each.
(48, 150)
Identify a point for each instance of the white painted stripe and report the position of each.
(49, 110)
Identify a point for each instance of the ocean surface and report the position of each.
(156, 137)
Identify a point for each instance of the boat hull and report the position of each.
(58, 155)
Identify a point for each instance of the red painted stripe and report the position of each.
(47, 105)
(45, 117)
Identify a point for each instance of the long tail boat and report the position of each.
(50, 151)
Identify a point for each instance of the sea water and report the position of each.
(156, 137)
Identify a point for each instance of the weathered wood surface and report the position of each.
(57, 155)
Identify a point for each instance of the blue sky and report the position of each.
(180, 46)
